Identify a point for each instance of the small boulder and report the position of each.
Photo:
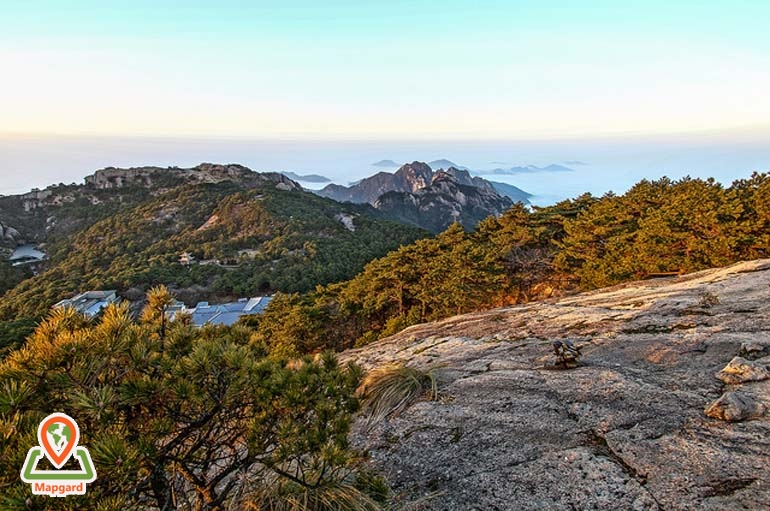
(740, 370)
(734, 407)
(752, 350)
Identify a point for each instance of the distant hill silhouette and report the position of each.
(389, 164)
(445, 164)
(528, 169)
(308, 178)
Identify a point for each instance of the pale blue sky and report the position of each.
(395, 69)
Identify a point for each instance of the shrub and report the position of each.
(179, 417)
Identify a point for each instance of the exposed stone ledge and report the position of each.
(626, 430)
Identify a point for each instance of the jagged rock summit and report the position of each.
(627, 429)
(409, 178)
(417, 195)
(444, 201)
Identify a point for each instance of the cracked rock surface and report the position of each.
(625, 430)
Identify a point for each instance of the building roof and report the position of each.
(227, 313)
(26, 254)
(90, 302)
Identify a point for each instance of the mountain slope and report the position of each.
(625, 430)
(60, 210)
(514, 193)
(252, 233)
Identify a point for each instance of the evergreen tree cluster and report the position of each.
(182, 418)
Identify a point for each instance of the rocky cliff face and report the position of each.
(409, 178)
(445, 201)
(659, 415)
(205, 173)
(9, 237)
(464, 178)
(414, 194)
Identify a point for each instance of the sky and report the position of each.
(634, 89)
(383, 70)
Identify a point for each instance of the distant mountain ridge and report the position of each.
(308, 178)
(388, 164)
(527, 169)
(443, 163)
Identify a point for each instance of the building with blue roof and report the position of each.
(90, 303)
(227, 314)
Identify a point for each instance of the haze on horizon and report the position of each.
(332, 86)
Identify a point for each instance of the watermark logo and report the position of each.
(58, 436)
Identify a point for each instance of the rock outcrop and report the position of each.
(444, 201)
(159, 177)
(740, 370)
(735, 406)
(9, 235)
(642, 423)
(409, 178)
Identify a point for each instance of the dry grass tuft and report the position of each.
(390, 390)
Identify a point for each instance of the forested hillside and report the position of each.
(256, 240)
(656, 228)
(268, 239)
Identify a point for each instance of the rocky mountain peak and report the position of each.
(443, 202)
(413, 176)
(416, 195)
